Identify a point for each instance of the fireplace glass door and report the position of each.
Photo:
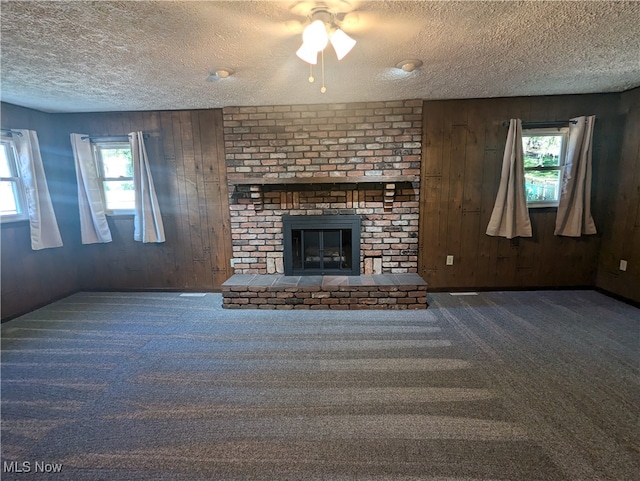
(322, 249)
(319, 245)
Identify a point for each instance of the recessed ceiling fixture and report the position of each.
(322, 30)
(219, 74)
(409, 65)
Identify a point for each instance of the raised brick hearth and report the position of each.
(386, 291)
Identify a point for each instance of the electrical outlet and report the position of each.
(449, 260)
(623, 265)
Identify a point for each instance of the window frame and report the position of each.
(562, 132)
(97, 148)
(20, 194)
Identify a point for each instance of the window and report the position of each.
(115, 172)
(13, 205)
(543, 151)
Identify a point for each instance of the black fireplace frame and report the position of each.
(321, 222)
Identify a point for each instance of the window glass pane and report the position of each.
(542, 186)
(8, 196)
(541, 150)
(119, 194)
(5, 165)
(117, 162)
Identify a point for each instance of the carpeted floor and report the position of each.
(147, 386)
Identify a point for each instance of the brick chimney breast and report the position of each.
(294, 152)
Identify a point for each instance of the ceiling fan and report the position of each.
(324, 24)
(344, 13)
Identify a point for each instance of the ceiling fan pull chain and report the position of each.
(323, 89)
(311, 79)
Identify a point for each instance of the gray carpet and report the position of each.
(148, 386)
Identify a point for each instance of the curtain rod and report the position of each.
(111, 138)
(552, 123)
(9, 132)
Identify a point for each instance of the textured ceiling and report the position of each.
(154, 55)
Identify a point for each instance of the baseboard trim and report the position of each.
(613, 295)
(154, 289)
(36, 307)
(63, 296)
(511, 288)
(617, 297)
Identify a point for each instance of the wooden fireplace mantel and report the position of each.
(389, 181)
(362, 179)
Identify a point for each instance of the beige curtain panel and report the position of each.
(94, 228)
(574, 210)
(147, 221)
(43, 224)
(510, 216)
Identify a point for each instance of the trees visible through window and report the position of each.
(12, 196)
(543, 151)
(115, 170)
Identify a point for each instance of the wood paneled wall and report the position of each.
(186, 153)
(34, 278)
(463, 146)
(621, 233)
(463, 142)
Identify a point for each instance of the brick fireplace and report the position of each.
(338, 159)
(354, 160)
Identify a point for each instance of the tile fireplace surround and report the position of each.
(338, 159)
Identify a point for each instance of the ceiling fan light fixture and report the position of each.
(308, 54)
(315, 35)
(342, 43)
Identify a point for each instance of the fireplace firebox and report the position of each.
(321, 245)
